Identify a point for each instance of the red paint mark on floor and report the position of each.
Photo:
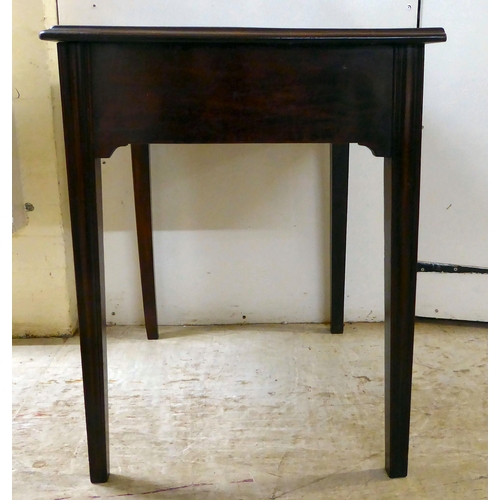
(163, 490)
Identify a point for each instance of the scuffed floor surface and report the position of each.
(252, 412)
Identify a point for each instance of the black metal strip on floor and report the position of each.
(436, 267)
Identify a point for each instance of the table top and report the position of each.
(124, 34)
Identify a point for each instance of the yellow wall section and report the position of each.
(43, 296)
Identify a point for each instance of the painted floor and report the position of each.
(252, 412)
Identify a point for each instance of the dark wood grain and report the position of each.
(142, 197)
(221, 93)
(401, 192)
(84, 184)
(339, 189)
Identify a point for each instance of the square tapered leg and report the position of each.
(338, 233)
(85, 197)
(142, 197)
(401, 194)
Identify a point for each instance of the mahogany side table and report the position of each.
(140, 86)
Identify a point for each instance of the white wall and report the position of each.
(19, 217)
(43, 296)
(242, 230)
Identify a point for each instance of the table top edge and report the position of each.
(120, 34)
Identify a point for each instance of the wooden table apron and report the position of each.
(141, 86)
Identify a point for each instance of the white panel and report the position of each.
(454, 209)
(257, 13)
(448, 296)
(454, 206)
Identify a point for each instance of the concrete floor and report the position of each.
(252, 412)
